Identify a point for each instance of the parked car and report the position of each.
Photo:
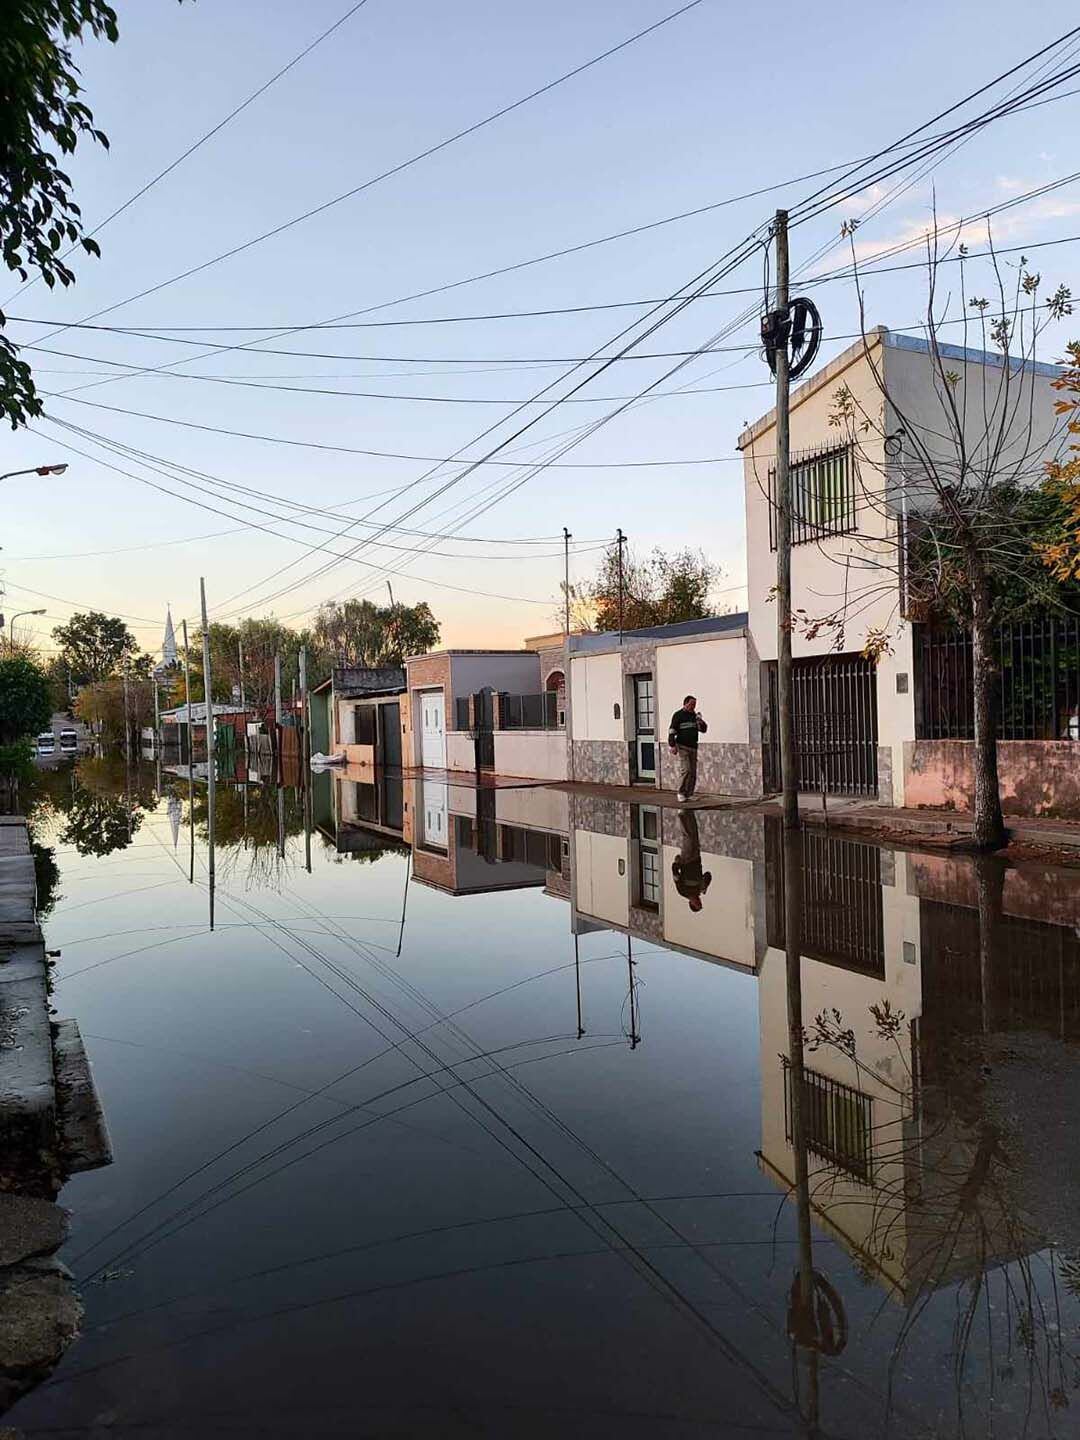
(69, 742)
(46, 743)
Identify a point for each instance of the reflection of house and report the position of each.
(891, 945)
(472, 841)
(624, 691)
(901, 729)
(631, 868)
(500, 710)
(369, 809)
(364, 719)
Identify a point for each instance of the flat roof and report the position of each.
(681, 630)
(892, 340)
(438, 654)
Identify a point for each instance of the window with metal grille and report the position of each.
(836, 1122)
(822, 495)
(646, 822)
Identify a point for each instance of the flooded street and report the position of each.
(461, 1112)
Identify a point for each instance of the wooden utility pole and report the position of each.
(157, 718)
(566, 579)
(240, 660)
(305, 756)
(789, 773)
(127, 719)
(210, 747)
(621, 539)
(190, 751)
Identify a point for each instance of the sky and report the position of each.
(720, 101)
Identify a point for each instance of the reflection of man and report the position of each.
(686, 867)
(686, 725)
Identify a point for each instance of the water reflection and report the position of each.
(908, 1101)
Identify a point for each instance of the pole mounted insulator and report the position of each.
(799, 329)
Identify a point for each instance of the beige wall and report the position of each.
(724, 926)
(601, 891)
(714, 671)
(460, 750)
(596, 686)
(534, 809)
(535, 754)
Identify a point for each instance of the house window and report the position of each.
(647, 835)
(822, 496)
(836, 1120)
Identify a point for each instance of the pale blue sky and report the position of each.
(681, 119)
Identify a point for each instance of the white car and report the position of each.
(46, 743)
(69, 742)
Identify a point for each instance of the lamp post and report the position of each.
(19, 616)
(36, 470)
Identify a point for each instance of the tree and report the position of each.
(1061, 551)
(357, 632)
(94, 646)
(660, 589)
(41, 117)
(974, 522)
(101, 706)
(25, 700)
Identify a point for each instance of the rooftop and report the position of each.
(682, 629)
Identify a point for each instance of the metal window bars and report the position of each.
(823, 495)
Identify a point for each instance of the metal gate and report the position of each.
(484, 729)
(836, 730)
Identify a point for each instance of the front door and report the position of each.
(432, 730)
(645, 726)
(390, 736)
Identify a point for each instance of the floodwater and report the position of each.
(490, 1113)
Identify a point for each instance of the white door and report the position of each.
(435, 814)
(432, 730)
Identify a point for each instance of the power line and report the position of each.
(202, 140)
(404, 164)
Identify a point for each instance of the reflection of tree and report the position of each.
(46, 877)
(251, 825)
(944, 1208)
(99, 824)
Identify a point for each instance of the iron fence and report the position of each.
(530, 712)
(1037, 680)
(842, 921)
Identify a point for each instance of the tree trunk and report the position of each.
(989, 830)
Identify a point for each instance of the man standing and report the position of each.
(686, 726)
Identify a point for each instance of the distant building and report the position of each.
(169, 663)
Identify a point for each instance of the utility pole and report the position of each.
(305, 756)
(210, 765)
(277, 717)
(190, 751)
(391, 589)
(157, 718)
(566, 536)
(789, 776)
(240, 659)
(621, 539)
(127, 719)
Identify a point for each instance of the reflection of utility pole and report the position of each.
(190, 752)
(577, 977)
(635, 1038)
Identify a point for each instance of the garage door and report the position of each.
(432, 730)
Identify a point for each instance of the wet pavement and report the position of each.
(514, 1113)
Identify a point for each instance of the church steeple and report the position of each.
(168, 645)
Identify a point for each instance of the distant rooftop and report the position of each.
(711, 625)
(353, 680)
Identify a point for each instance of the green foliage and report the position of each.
(661, 589)
(41, 118)
(94, 646)
(357, 632)
(25, 699)
(101, 705)
(17, 760)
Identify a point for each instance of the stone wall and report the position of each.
(601, 762)
(1037, 777)
(723, 768)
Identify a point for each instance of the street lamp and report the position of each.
(19, 616)
(36, 470)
